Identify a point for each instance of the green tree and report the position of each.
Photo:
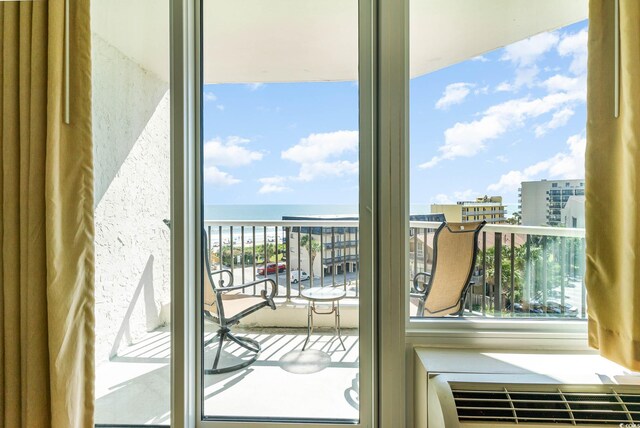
(520, 266)
(313, 248)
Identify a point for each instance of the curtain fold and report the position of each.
(46, 218)
(613, 184)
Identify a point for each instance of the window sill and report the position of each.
(548, 334)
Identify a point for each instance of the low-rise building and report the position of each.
(323, 250)
(332, 250)
(488, 208)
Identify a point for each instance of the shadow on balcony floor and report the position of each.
(321, 382)
(286, 382)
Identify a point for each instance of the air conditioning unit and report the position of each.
(473, 389)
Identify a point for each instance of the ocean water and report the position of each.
(273, 212)
(276, 212)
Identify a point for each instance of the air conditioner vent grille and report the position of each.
(522, 403)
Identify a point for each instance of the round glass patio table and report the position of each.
(323, 295)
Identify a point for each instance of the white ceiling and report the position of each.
(316, 40)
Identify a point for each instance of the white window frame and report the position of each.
(387, 332)
(184, 209)
(186, 216)
(493, 333)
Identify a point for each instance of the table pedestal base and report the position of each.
(335, 309)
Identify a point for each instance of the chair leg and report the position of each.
(245, 342)
(420, 310)
(221, 334)
(214, 337)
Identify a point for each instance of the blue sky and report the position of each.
(478, 127)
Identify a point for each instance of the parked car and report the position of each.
(533, 307)
(272, 268)
(555, 307)
(302, 275)
(551, 307)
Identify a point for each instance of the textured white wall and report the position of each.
(131, 152)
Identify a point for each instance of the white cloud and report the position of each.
(216, 177)
(220, 107)
(464, 195)
(504, 87)
(483, 90)
(524, 55)
(502, 158)
(564, 165)
(561, 83)
(310, 171)
(480, 58)
(210, 96)
(527, 52)
(559, 119)
(273, 184)
(525, 76)
(230, 153)
(318, 147)
(508, 182)
(264, 109)
(441, 199)
(466, 139)
(314, 152)
(254, 86)
(575, 45)
(430, 163)
(455, 93)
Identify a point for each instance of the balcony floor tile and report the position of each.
(321, 382)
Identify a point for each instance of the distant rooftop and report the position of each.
(412, 217)
(335, 217)
(496, 204)
(576, 180)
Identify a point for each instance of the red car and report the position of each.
(271, 268)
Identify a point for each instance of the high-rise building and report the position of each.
(541, 202)
(489, 208)
(573, 212)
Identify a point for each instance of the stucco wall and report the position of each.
(131, 152)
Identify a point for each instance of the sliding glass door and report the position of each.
(283, 305)
(130, 54)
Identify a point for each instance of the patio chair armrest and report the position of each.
(416, 287)
(221, 283)
(263, 293)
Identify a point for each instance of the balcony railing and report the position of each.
(521, 271)
(472, 212)
(280, 250)
(540, 270)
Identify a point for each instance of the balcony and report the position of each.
(471, 212)
(521, 272)
(277, 378)
(540, 268)
(341, 244)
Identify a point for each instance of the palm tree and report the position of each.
(521, 263)
(313, 248)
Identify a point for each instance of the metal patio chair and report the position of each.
(225, 304)
(443, 291)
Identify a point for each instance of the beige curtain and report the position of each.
(46, 218)
(613, 184)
